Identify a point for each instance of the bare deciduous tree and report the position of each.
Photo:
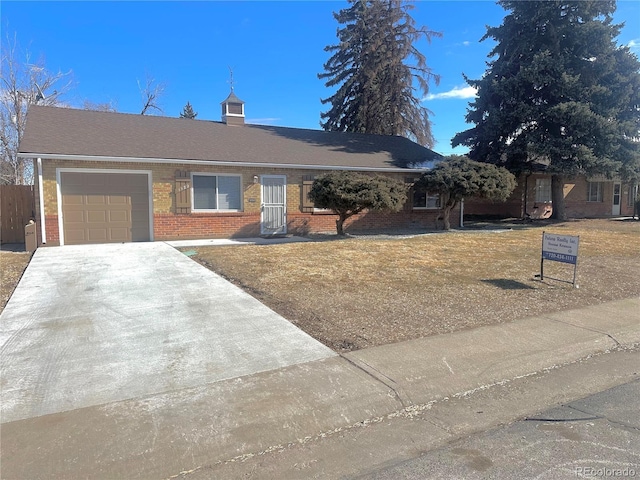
(109, 106)
(24, 82)
(151, 92)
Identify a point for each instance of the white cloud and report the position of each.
(455, 92)
(634, 45)
(466, 43)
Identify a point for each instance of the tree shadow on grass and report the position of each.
(507, 284)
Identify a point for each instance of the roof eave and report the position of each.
(98, 158)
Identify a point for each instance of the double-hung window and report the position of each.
(594, 192)
(543, 190)
(216, 193)
(424, 200)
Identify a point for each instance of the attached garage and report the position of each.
(104, 207)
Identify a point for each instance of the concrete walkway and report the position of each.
(220, 242)
(183, 431)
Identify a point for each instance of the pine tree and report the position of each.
(374, 67)
(457, 178)
(558, 92)
(187, 112)
(349, 193)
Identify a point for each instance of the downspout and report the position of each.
(43, 228)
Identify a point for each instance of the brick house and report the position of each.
(111, 177)
(585, 197)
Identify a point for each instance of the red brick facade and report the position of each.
(170, 222)
(525, 199)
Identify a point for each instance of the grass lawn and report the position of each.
(360, 292)
(12, 265)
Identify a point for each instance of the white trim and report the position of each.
(43, 228)
(208, 174)
(91, 158)
(603, 178)
(61, 170)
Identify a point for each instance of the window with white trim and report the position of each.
(594, 191)
(216, 193)
(422, 199)
(543, 190)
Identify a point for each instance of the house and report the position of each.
(111, 177)
(585, 197)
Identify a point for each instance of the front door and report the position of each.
(273, 219)
(616, 200)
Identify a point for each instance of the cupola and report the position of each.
(233, 110)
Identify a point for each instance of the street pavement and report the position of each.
(324, 416)
(594, 437)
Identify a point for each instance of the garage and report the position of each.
(104, 207)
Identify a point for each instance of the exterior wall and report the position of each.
(513, 207)
(169, 225)
(522, 202)
(629, 195)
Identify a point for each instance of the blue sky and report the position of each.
(276, 50)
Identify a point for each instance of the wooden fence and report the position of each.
(16, 209)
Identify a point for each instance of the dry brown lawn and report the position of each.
(12, 265)
(360, 292)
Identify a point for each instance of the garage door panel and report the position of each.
(75, 236)
(74, 200)
(95, 200)
(105, 207)
(74, 216)
(99, 216)
(119, 234)
(119, 216)
(118, 200)
(97, 235)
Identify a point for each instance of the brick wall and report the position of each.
(575, 193)
(169, 225)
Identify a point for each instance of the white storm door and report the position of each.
(616, 199)
(273, 219)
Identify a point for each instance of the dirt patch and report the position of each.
(365, 291)
(12, 265)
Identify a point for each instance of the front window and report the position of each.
(594, 192)
(422, 199)
(214, 193)
(543, 190)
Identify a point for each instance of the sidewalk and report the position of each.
(185, 430)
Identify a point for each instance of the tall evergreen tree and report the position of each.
(560, 92)
(378, 71)
(187, 112)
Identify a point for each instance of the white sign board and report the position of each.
(560, 248)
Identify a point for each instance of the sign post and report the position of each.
(560, 248)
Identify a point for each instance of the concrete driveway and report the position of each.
(90, 325)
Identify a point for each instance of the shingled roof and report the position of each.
(55, 132)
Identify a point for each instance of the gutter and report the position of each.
(43, 228)
(99, 158)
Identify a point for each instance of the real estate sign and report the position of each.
(560, 248)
